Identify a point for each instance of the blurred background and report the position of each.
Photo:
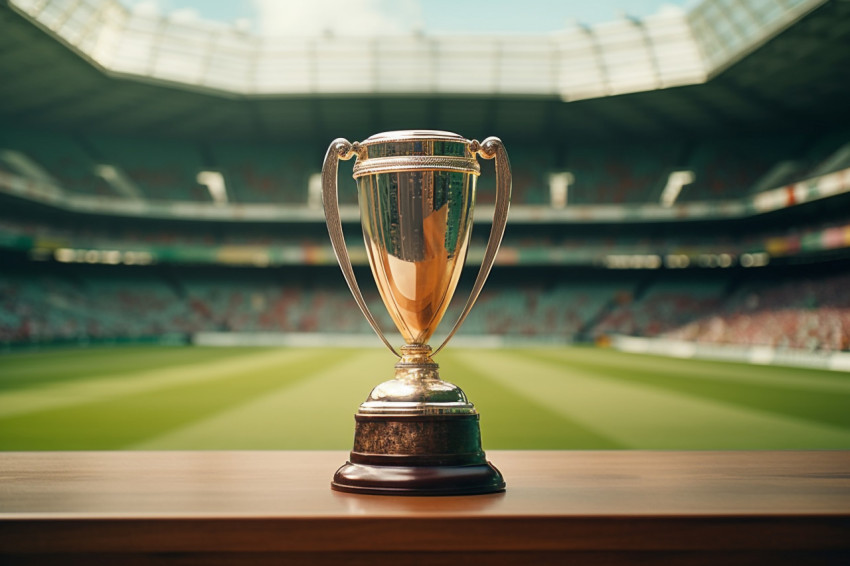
(680, 170)
(681, 182)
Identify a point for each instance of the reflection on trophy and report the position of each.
(416, 434)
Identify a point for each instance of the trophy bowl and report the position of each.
(416, 434)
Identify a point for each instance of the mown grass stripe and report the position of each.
(44, 397)
(315, 412)
(510, 419)
(306, 398)
(645, 417)
(128, 419)
(30, 369)
(795, 399)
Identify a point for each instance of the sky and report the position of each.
(371, 17)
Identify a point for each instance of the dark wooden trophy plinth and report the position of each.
(418, 455)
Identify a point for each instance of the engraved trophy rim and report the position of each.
(424, 160)
(413, 135)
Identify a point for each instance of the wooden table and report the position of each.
(260, 508)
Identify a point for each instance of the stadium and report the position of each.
(681, 186)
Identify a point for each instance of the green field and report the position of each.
(263, 398)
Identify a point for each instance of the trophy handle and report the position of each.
(341, 148)
(490, 148)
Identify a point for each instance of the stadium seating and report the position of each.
(57, 154)
(810, 314)
(48, 302)
(619, 175)
(266, 173)
(43, 304)
(628, 173)
(665, 305)
(163, 170)
(729, 168)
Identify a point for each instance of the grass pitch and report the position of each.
(195, 398)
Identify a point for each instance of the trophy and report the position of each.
(416, 434)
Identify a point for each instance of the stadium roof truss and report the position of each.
(668, 49)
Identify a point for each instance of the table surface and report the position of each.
(297, 484)
(235, 502)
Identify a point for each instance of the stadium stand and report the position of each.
(727, 168)
(80, 304)
(758, 268)
(663, 306)
(808, 314)
(620, 174)
(52, 157)
(162, 169)
(266, 173)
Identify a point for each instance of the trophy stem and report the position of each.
(416, 355)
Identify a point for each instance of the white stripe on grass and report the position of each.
(314, 412)
(801, 378)
(645, 417)
(104, 387)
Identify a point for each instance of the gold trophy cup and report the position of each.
(416, 434)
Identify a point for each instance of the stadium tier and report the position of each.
(45, 304)
(106, 240)
(808, 314)
(600, 174)
(266, 173)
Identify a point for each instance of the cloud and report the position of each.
(185, 16)
(149, 8)
(364, 18)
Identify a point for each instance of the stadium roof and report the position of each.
(725, 65)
